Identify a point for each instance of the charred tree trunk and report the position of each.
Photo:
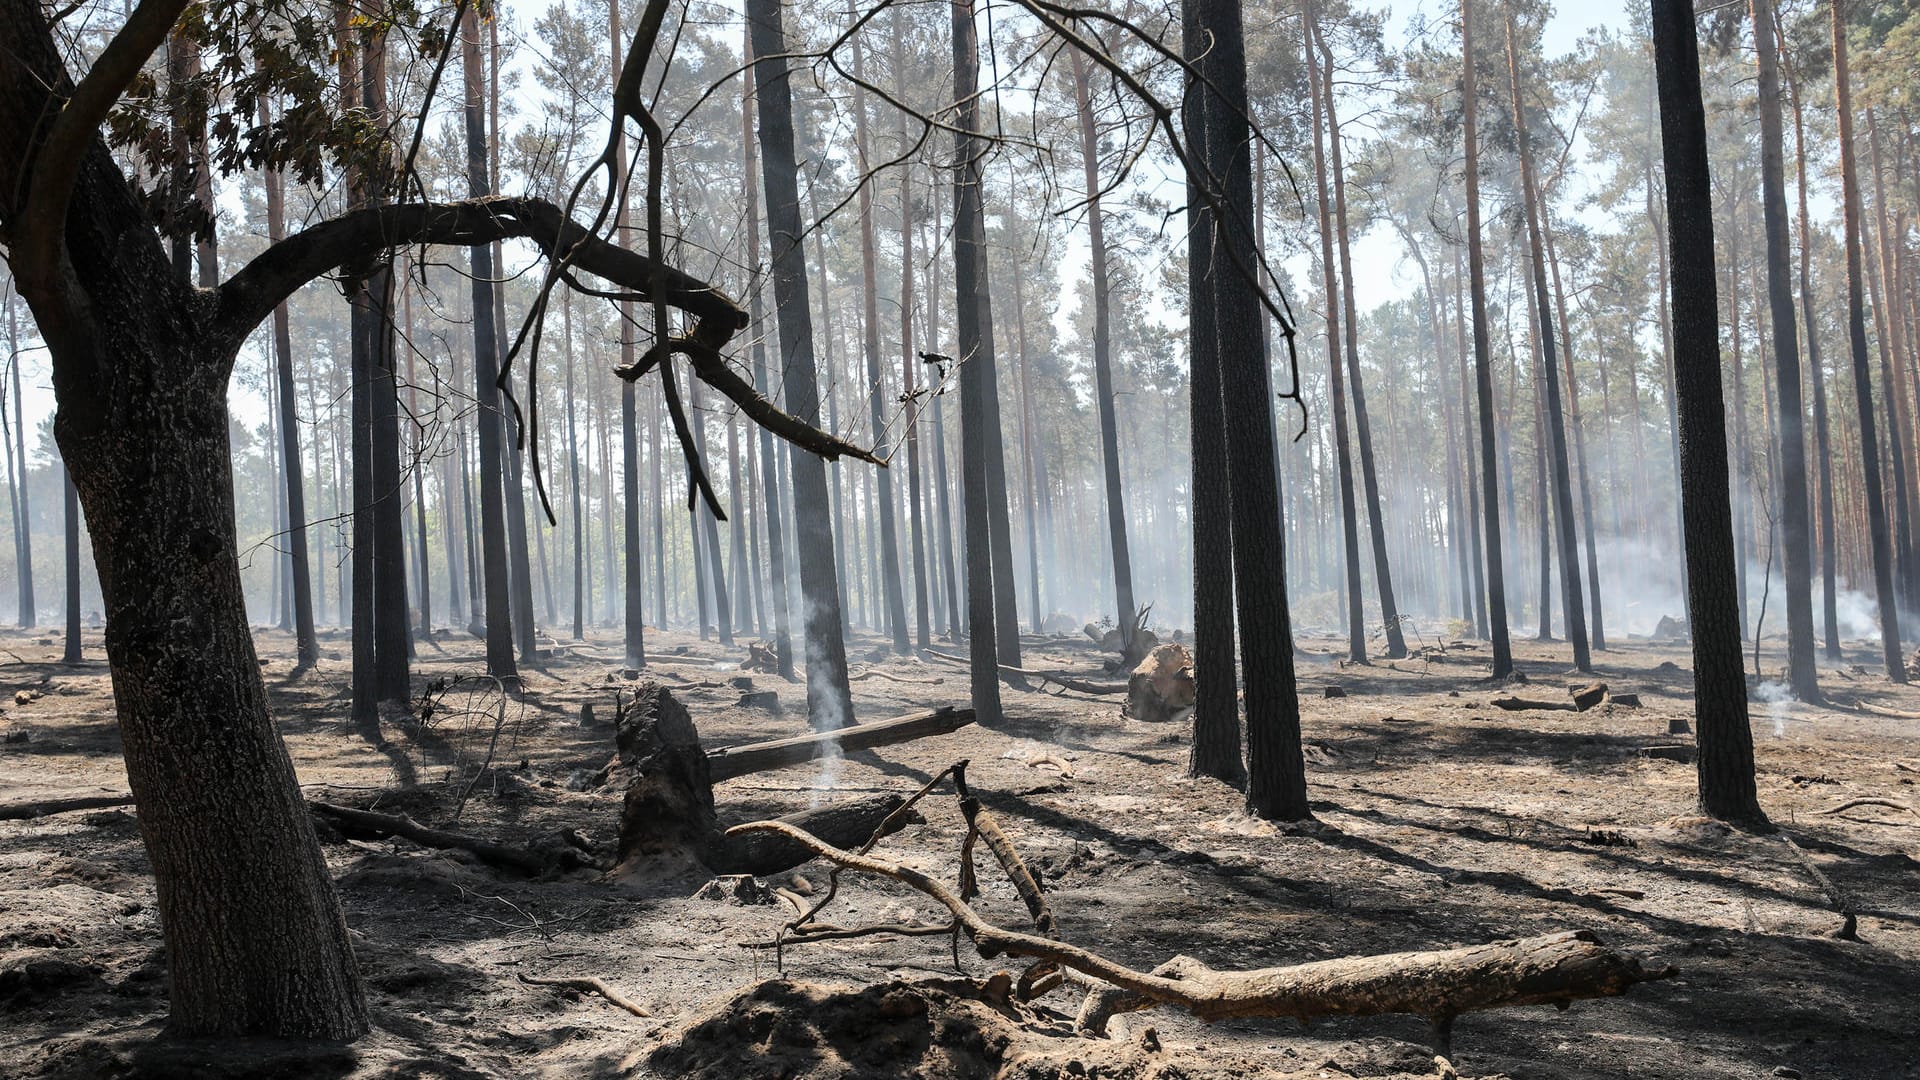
(1877, 527)
(486, 354)
(894, 594)
(1336, 380)
(1725, 762)
(1362, 429)
(769, 469)
(1556, 421)
(1276, 772)
(1216, 707)
(307, 645)
(1103, 365)
(978, 424)
(829, 699)
(1483, 362)
(27, 615)
(1790, 438)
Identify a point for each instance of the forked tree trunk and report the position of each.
(1216, 708)
(256, 941)
(1276, 772)
(1725, 761)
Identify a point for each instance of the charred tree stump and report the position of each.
(668, 809)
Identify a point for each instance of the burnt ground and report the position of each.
(1442, 821)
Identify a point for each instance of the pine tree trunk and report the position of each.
(1881, 541)
(1276, 775)
(1336, 379)
(1556, 422)
(493, 530)
(974, 343)
(1790, 439)
(1362, 429)
(1102, 363)
(894, 594)
(829, 699)
(769, 458)
(1725, 740)
(23, 513)
(1483, 362)
(1579, 437)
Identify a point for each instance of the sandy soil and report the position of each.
(1442, 821)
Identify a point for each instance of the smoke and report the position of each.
(1777, 698)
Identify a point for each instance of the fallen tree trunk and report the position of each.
(761, 854)
(1057, 678)
(1438, 985)
(1518, 704)
(369, 825)
(727, 762)
(38, 808)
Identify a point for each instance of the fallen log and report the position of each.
(369, 825)
(1057, 678)
(38, 808)
(761, 854)
(1439, 985)
(1520, 704)
(728, 762)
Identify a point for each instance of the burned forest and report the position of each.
(961, 540)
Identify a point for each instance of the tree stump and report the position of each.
(668, 811)
(1161, 687)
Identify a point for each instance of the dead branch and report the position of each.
(1841, 903)
(590, 985)
(1879, 710)
(1894, 804)
(1550, 969)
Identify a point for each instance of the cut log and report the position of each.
(1586, 697)
(1625, 701)
(1161, 687)
(1520, 704)
(728, 762)
(668, 811)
